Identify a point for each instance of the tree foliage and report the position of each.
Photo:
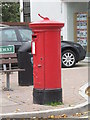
(10, 12)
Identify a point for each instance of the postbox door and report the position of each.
(38, 60)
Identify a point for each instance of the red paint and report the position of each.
(47, 57)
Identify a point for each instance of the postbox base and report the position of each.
(47, 96)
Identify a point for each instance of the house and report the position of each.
(75, 16)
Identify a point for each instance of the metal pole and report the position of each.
(8, 82)
(21, 11)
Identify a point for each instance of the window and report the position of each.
(26, 34)
(8, 35)
(26, 11)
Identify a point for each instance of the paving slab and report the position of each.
(20, 100)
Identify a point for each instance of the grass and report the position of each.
(55, 103)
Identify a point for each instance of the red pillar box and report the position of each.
(46, 50)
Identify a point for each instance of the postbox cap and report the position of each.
(45, 23)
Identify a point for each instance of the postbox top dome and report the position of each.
(46, 23)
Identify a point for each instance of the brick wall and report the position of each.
(16, 23)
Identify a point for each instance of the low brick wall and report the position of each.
(16, 23)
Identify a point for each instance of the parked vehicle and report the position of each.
(71, 52)
(14, 35)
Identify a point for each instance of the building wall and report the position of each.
(49, 9)
(54, 10)
(62, 12)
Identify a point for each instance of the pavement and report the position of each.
(19, 102)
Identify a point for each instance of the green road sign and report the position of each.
(7, 49)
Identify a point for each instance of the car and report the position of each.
(14, 35)
(19, 36)
(71, 53)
